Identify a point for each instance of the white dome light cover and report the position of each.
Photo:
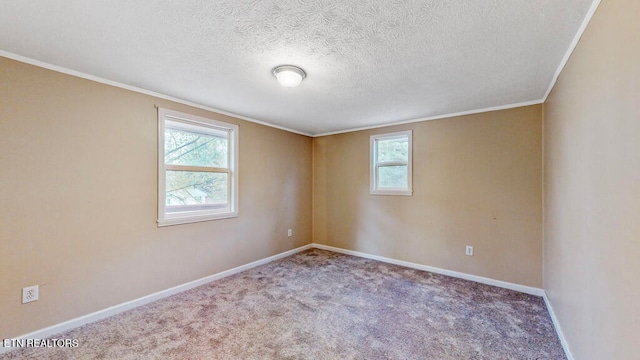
(289, 75)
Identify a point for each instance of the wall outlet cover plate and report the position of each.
(29, 294)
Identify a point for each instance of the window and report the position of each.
(197, 169)
(391, 164)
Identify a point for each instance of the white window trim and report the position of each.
(375, 165)
(165, 219)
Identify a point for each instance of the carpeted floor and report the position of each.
(323, 305)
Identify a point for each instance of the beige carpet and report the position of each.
(323, 305)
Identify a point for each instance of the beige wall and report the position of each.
(78, 199)
(477, 181)
(592, 188)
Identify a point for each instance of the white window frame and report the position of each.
(206, 126)
(375, 164)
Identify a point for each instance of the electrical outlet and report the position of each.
(29, 294)
(469, 251)
(289, 232)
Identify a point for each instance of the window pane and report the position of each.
(194, 149)
(392, 177)
(393, 150)
(189, 190)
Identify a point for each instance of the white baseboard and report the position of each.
(479, 279)
(116, 309)
(556, 325)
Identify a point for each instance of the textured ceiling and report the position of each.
(369, 62)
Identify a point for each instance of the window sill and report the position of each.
(188, 219)
(392, 192)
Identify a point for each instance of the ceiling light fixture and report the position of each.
(289, 75)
